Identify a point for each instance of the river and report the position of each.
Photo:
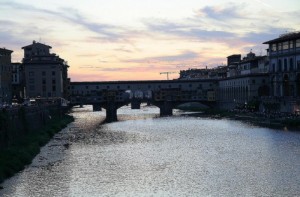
(144, 155)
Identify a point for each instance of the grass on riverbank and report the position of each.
(21, 153)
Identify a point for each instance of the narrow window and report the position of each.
(291, 64)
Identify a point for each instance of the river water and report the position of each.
(143, 155)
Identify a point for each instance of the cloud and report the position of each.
(88, 55)
(231, 11)
(137, 69)
(190, 32)
(260, 37)
(186, 55)
(89, 76)
(104, 31)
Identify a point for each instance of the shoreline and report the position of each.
(281, 123)
(20, 154)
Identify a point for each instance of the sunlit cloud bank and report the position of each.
(136, 40)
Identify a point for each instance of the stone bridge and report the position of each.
(164, 94)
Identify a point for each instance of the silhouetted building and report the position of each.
(233, 59)
(46, 73)
(18, 82)
(5, 76)
(194, 74)
(253, 64)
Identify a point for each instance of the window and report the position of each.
(53, 73)
(44, 73)
(53, 88)
(279, 46)
(291, 44)
(273, 67)
(44, 81)
(285, 45)
(273, 47)
(298, 43)
(291, 64)
(97, 87)
(87, 87)
(298, 65)
(285, 64)
(279, 65)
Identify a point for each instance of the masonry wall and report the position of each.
(15, 123)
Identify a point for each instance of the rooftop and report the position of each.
(36, 43)
(5, 51)
(285, 37)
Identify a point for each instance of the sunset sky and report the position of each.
(137, 39)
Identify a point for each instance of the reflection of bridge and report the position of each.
(164, 94)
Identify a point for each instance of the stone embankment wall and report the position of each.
(17, 122)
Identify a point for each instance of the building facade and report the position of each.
(18, 82)
(46, 73)
(284, 57)
(5, 76)
(242, 89)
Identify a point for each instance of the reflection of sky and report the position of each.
(131, 39)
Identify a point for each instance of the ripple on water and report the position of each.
(173, 156)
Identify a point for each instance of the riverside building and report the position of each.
(46, 73)
(5, 76)
(247, 80)
(284, 56)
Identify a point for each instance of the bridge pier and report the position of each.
(166, 109)
(135, 104)
(111, 112)
(97, 107)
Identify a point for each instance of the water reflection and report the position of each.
(142, 155)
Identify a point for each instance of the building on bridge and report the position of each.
(5, 76)
(206, 73)
(46, 73)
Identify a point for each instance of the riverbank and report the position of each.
(20, 153)
(269, 120)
